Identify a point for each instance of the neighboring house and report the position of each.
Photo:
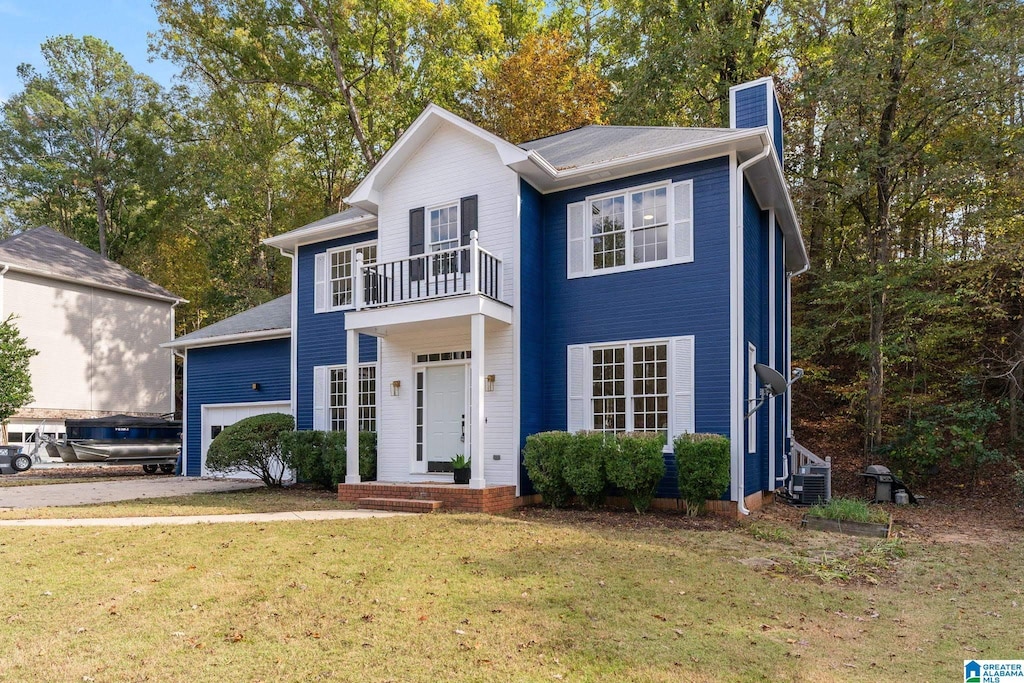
(97, 326)
(609, 278)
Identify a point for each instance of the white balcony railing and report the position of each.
(466, 269)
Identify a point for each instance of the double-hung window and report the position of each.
(640, 227)
(444, 234)
(632, 386)
(335, 276)
(330, 398)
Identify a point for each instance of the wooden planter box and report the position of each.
(869, 529)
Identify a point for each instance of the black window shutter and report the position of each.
(416, 238)
(467, 213)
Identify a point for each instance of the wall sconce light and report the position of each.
(255, 386)
(396, 387)
(489, 383)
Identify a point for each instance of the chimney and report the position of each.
(755, 104)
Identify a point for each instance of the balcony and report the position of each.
(464, 270)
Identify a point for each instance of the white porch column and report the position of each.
(352, 407)
(476, 417)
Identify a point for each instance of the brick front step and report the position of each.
(455, 498)
(399, 504)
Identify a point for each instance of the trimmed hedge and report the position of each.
(544, 458)
(636, 466)
(320, 457)
(252, 445)
(584, 466)
(704, 468)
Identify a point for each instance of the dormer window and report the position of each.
(334, 275)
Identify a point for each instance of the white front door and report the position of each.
(445, 416)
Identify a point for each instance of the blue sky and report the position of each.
(25, 24)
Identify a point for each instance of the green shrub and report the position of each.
(584, 469)
(544, 458)
(320, 457)
(703, 464)
(367, 456)
(252, 445)
(636, 465)
(303, 452)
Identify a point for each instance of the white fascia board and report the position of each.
(367, 194)
(173, 300)
(225, 339)
(370, 320)
(290, 241)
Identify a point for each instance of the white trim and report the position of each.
(90, 283)
(366, 195)
(294, 239)
(517, 395)
(293, 362)
(326, 392)
(374, 320)
(3, 271)
(238, 404)
(673, 390)
(225, 339)
(770, 92)
(629, 229)
(328, 292)
(173, 364)
(751, 399)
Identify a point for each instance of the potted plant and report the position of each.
(461, 468)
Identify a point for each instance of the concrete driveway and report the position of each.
(84, 493)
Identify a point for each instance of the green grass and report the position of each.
(849, 510)
(475, 598)
(227, 503)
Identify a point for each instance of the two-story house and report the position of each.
(608, 278)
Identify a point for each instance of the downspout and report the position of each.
(184, 410)
(738, 346)
(789, 371)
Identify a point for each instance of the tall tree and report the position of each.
(541, 89)
(15, 378)
(75, 132)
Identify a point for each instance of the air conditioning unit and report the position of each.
(813, 484)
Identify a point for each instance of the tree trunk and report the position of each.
(101, 215)
(880, 237)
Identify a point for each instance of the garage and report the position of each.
(216, 417)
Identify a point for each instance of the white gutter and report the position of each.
(736, 345)
(789, 363)
(293, 357)
(184, 409)
(258, 335)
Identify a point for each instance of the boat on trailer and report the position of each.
(154, 443)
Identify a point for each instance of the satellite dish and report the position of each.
(771, 379)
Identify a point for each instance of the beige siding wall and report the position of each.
(98, 350)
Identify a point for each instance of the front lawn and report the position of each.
(529, 597)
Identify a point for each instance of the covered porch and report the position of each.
(446, 383)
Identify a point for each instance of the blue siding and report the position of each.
(320, 336)
(780, 347)
(752, 106)
(755, 328)
(531, 321)
(225, 374)
(683, 299)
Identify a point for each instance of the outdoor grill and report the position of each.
(888, 487)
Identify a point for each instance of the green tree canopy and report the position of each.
(15, 378)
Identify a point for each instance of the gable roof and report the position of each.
(271, 320)
(47, 253)
(596, 144)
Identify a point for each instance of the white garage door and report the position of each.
(218, 416)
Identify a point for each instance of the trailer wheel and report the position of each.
(149, 469)
(167, 469)
(21, 462)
